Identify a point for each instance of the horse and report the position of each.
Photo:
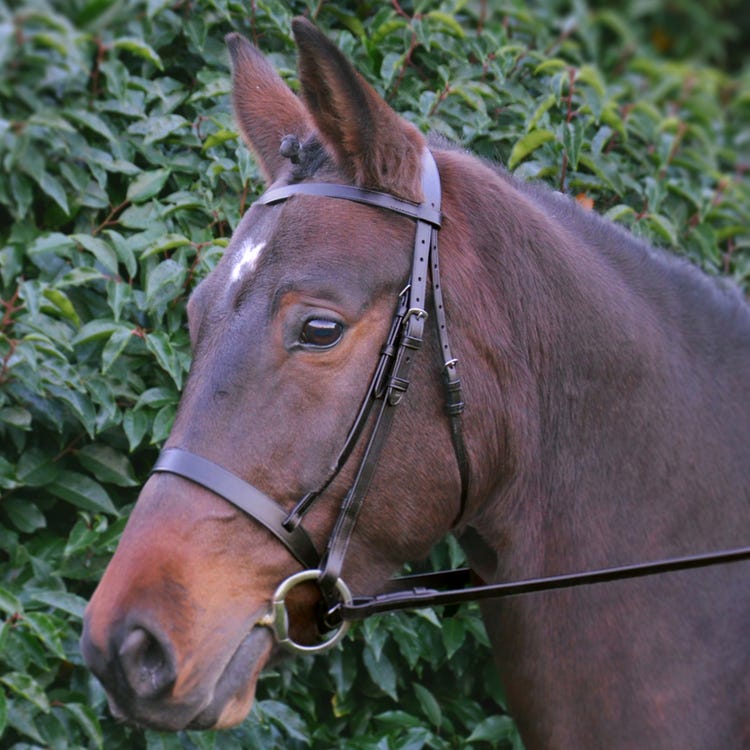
(602, 419)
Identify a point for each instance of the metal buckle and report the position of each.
(416, 312)
(277, 619)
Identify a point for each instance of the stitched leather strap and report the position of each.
(419, 591)
(408, 342)
(454, 403)
(421, 211)
(246, 497)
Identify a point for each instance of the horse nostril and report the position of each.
(146, 663)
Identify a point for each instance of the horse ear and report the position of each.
(372, 145)
(265, 108)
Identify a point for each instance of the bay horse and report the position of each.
(603, 418)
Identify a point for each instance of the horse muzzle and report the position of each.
(149, 684)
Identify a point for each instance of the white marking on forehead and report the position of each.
(247, 258)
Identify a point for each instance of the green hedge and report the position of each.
(122, 179)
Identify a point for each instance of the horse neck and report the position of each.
(582, 448)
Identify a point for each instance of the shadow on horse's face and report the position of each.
(286, 334)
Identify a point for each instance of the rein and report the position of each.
(384, 393)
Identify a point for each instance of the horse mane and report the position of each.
(627, 254)
(617, 243)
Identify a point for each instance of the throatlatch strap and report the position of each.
(454, 403)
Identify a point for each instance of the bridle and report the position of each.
(384, 393)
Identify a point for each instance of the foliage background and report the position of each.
(122, 178)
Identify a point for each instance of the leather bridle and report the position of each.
(385, 392)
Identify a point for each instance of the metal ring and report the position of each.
(277, 619)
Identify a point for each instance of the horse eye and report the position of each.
(321, 333)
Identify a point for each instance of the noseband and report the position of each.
(384, 394)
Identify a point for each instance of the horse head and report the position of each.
(286, 333)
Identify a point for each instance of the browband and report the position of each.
(420, 211)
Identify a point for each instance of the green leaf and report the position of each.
(87, 720)
(162, 425)
(116, 345)
(78, 403)
(63, 601)
(107, 464)
(663, 228)
(28, 688)
(447, 20)
(23, 716)
(54, 189)
(79, 277)
(140, 48)
(155, 129)
(24, 515)
(96, 330)
(135, 422)
(48, 629)
(454, 635)
(572, 138)
(165, 283)
(167, 242)
(36, 468)
(91, 121)
(162, 741)
(544, 107)
(147, 185)
(619, 212)
(286, 718)
(54, 242)
(217, 138)
(493, 729)
(553, 65)
(156, 398)
(9, 602)
(381, 672)
(528, 144)
(7, 474)
(62, 305)
(429, 704)
(82, 491)
(100, 249)
(591, 76)
(159, 344)
(397, 719)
